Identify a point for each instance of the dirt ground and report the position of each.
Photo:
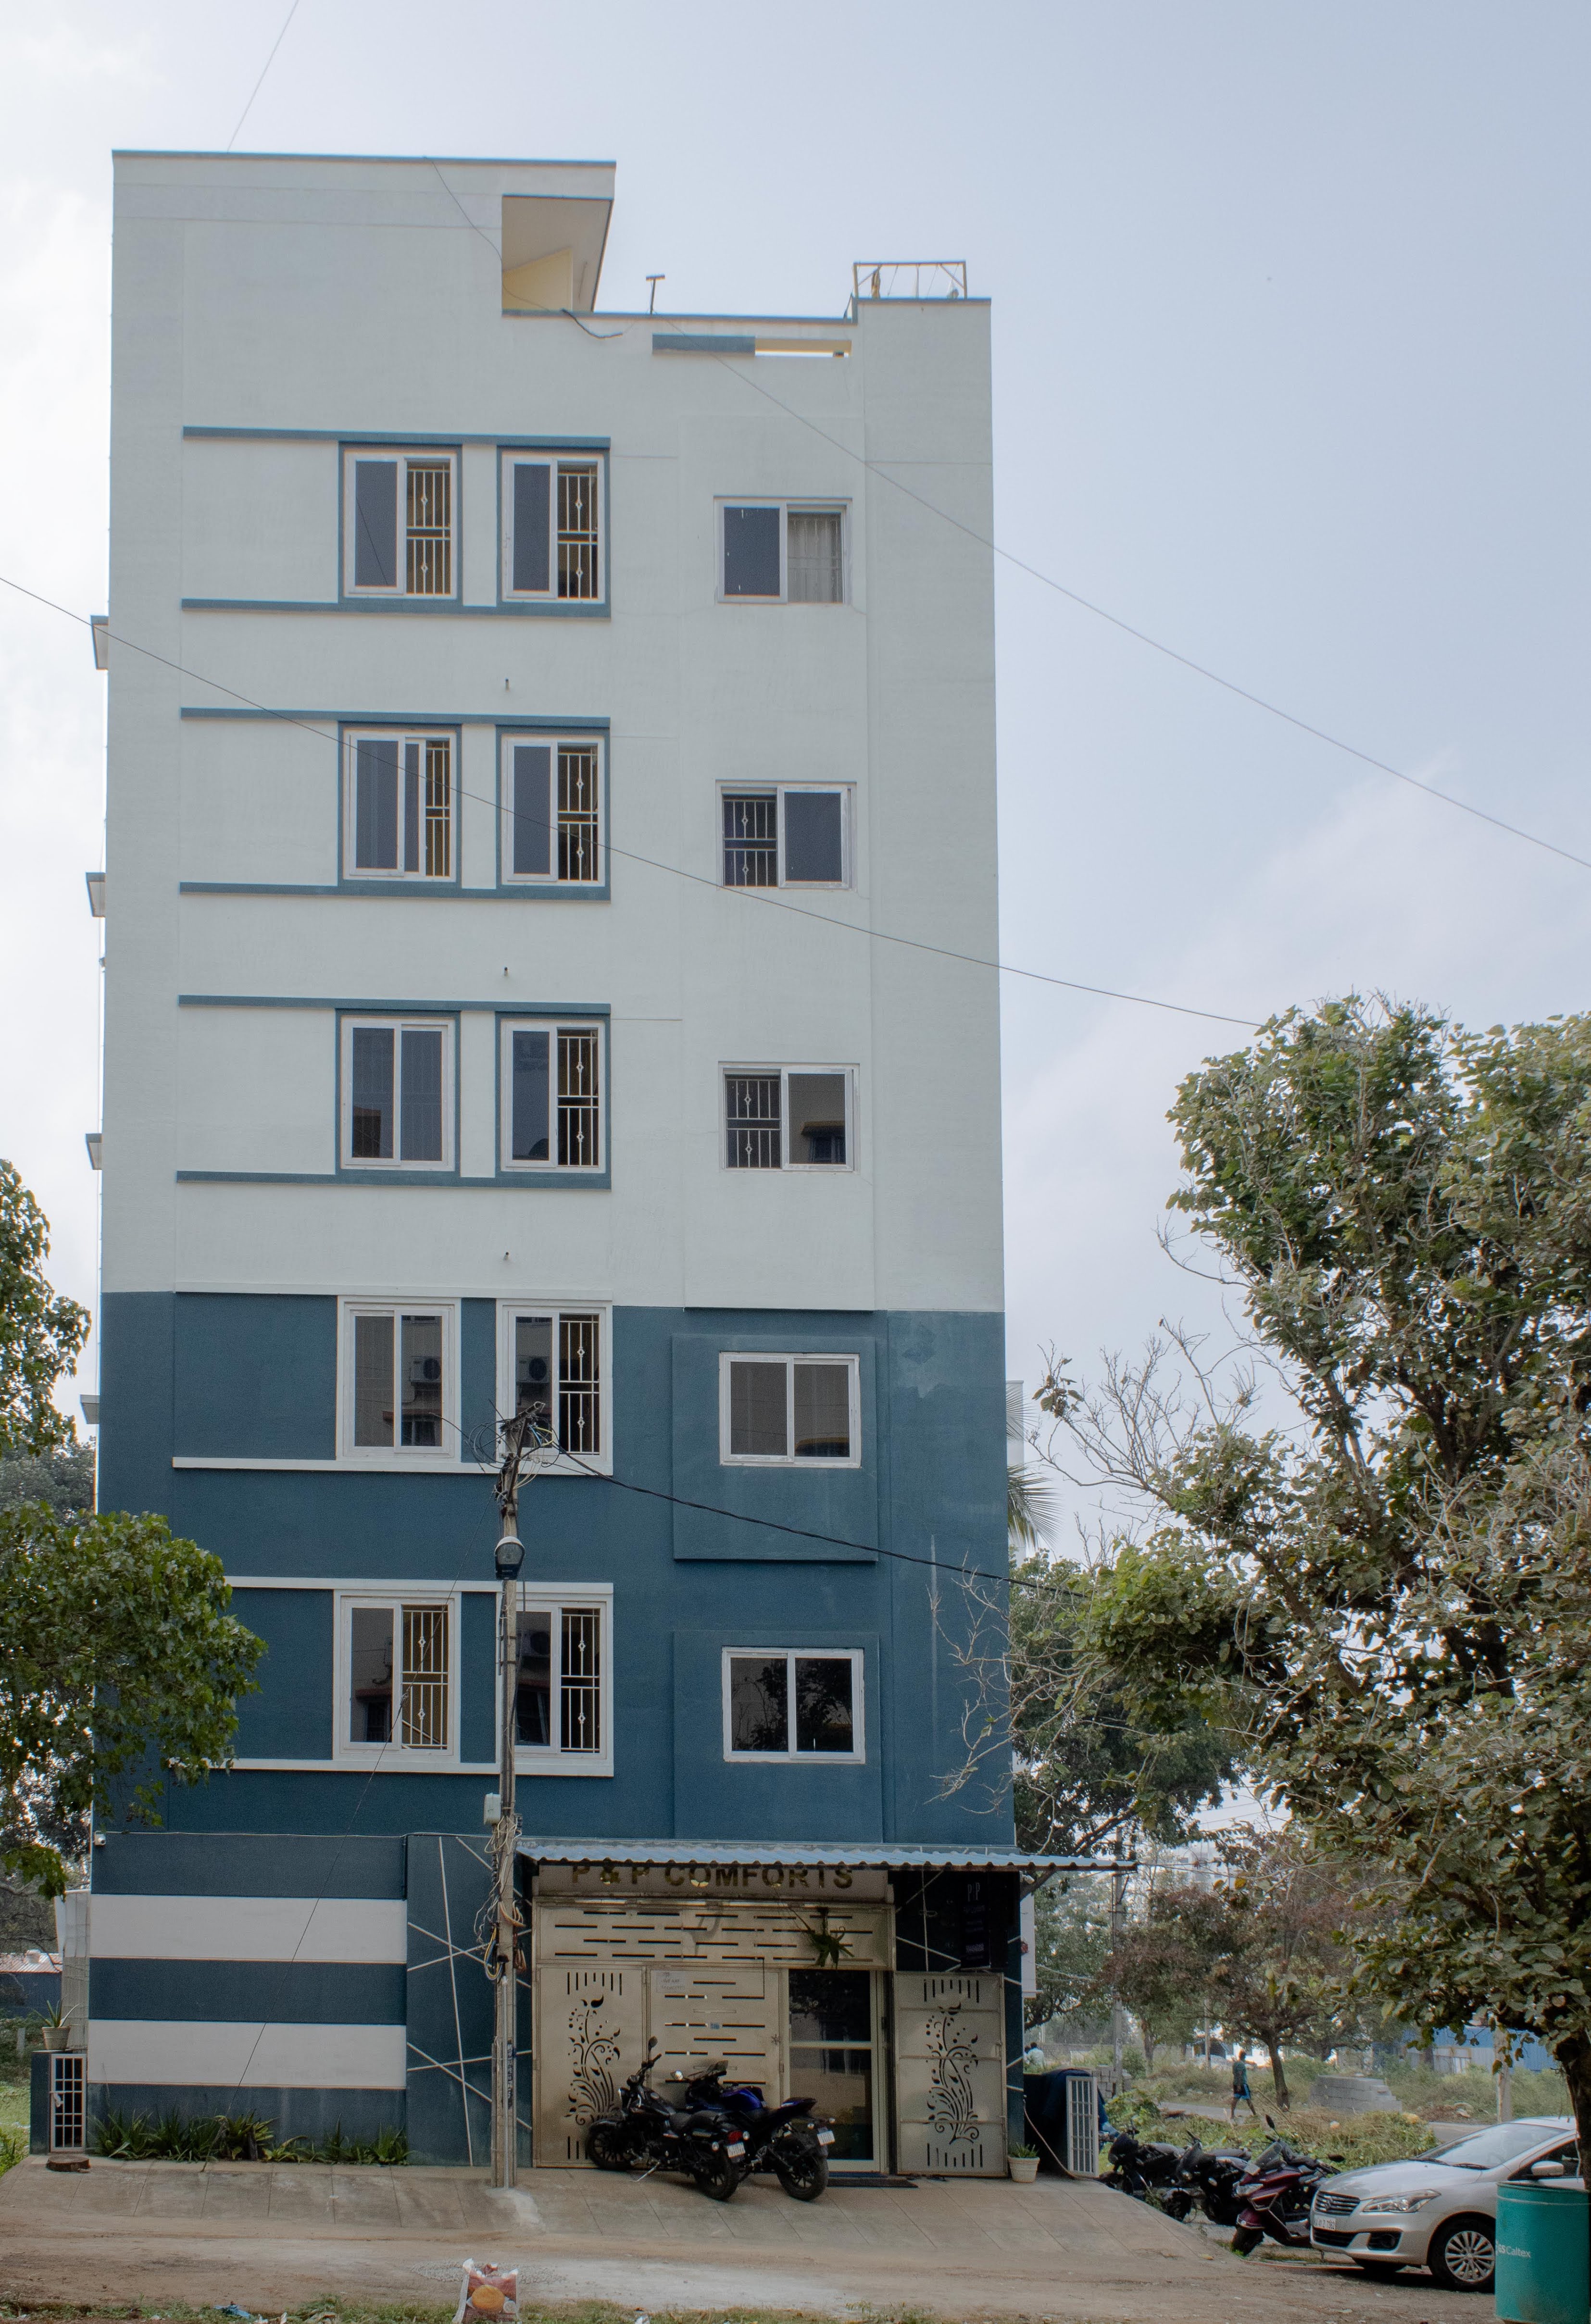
(273, 2236)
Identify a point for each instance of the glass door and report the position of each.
(833, 2058)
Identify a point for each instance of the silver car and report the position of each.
(1440, 2211)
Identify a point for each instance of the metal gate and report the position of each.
(950, 2069)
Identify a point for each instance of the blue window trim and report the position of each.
(551, 1177)
(409, 882)
(341, 1005)
(409, 608)
(555, 604)
(553, 891)
(384, 435)
(347, 597)
(351, 1173)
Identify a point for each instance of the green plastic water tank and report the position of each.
(1543, 2272)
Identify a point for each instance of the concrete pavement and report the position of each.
(270, 2237)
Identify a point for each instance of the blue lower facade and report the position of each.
(301, 1936)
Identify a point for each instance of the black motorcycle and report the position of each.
(787, 2140)
(1209, 2177)
(1141, 2167)
(644, 2127)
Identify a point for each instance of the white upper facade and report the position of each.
(335, 379)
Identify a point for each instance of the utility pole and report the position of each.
(1503, 2049)
(520, 1436)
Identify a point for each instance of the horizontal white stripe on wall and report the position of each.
(241, 2056)
(249, 1928)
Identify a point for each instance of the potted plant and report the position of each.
(1022, 2162)
(54, 2033)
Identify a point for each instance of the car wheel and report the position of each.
(1463, 2254)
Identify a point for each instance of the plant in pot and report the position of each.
(54, 2033)
(1023, 2161)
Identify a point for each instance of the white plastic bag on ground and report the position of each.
(489, 2294)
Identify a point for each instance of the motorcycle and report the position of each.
(1209, 2177)
(1140, 2167)
(787, 2139)
(1276, 2195)
(699, 2141)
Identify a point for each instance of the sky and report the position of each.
(1289, 346)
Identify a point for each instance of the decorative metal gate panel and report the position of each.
(698, 2010)
(950, 2070)
(590, 2034)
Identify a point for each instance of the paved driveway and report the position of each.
(270, 2237)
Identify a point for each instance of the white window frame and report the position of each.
(856, 1758)
(806, 504)
(853, 1364)
(779, 792)
(395, 1755)
(551, 1168)
(511, 457)
(395, 1456)
(352, 869)
(432, 455)
(801, 1170)
(551, 1758)
(520, 737)
(508, 1313)
(351, 1022)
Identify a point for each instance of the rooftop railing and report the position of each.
(910, 278)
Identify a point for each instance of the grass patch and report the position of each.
(1360, 2139)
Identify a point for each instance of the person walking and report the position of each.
(1241, 2092)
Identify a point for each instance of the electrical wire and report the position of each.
(264, 69)
(675, 870)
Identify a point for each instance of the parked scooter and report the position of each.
(1209, 2177)
(788, 2140)
(699, 2141)
(1276, 2195)
(1140, 2167)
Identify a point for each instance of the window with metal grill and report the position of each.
(787, 1118)
(558, 1373)
(795, 836)
(551, 1079)
(790, 1410)
(558, 1706)
(781, 552)
(398, 806)
(552, 515)
(551, 792)
(397, 1101)
(399, 529)
(398, 1679)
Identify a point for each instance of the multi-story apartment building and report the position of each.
(547, 819)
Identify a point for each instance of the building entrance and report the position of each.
(834, 2058)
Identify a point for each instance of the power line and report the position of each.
(264, 69)
(675, 870)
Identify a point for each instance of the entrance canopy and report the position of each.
(884, 1855)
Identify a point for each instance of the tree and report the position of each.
(119, 1673)
(1387, 1608)
(62, 1479)
(41, 1330)
(1071, 1933)
(1155, 1970)
(1047, 1722)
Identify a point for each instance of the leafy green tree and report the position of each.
(62, 1479)
(1387, 1606)
(1071, 1932)
(119, 1674)
(41, 1330)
